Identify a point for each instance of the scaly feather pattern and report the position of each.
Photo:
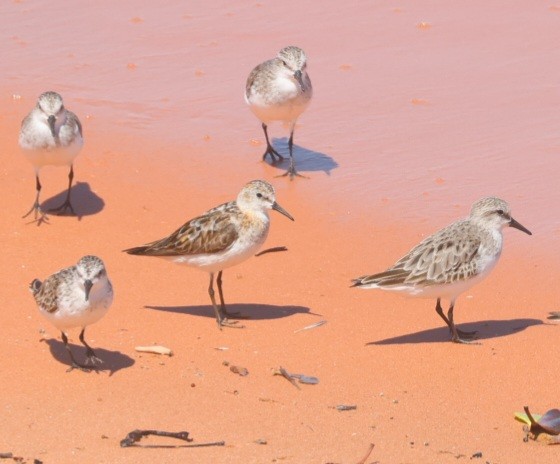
(212, 232)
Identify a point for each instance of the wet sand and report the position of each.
(419, 109)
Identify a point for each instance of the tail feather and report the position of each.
(382, 279)
(139, 250)
(35, 286)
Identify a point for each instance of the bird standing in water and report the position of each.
(280, 90)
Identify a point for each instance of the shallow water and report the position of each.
(418, 110)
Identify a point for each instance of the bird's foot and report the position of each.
(80, 367)
(466, 338)
(465, 342)
(36, 208)
(63, 209)
(291, 172)
(39, 215)
(225, 322)
(275, 157)
(92, 360)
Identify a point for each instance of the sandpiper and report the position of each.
(220, 238)
(451, 261)
(280, 90)
(51, 135)
(76, 296)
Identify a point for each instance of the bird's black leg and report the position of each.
(39, 215)
(292, 169)
(221, 318)
(91, 358)
(224, 311)
(457, 336)
(439, 310)
(74, 364)
(274, 155)
(64, 207)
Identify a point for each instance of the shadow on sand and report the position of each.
(113, 361)
(247, 310)
(306, 160)
(84, 201)
(486, 330)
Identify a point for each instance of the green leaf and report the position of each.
(524, 418)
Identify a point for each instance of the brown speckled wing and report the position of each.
(259, 76)
(47, 296)
(439, 259)
(25, 122)
(24, 131)
(72, 117)
(212, 232)
(251, 80)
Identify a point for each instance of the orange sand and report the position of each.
(419, 109)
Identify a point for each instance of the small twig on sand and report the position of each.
(530, 416)
(312, 326)
(284, 373)
(272, 250)
(345, 407)
(201, 445)
(6, 455)
(363, 460)
(136, 435)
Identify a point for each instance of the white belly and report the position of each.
(240, 251)
(288, 112)
(53, 155)
(75, 311)
(282, 100)
(445, 291)
(41, 148)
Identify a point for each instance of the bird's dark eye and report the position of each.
(284, 63)
(500, 212)
(259, 195)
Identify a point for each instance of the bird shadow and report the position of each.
(113, 361)
(84, 200)
(248, 311)
(485, 330)
(306, 160)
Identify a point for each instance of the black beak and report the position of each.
(281, 210)
(52, 121)
(514, 223)
(87, 286)
(299, 78)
